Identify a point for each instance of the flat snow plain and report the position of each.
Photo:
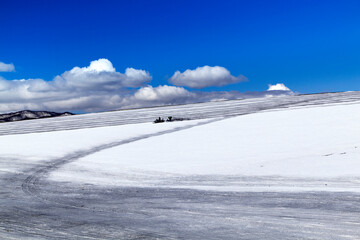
(270, 168)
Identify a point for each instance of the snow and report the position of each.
(307, 144)
(305, 147)
(192, 111)
(286, 170)
(42, 147)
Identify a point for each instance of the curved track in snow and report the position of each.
(30, 185)
(33, 207)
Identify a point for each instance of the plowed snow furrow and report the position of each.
(192, 111)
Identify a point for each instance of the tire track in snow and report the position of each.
(29, 186)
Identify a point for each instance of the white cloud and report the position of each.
(164, 93)
(101, 75)
(93, 88)
(7, 67)
(135, 77)
(278, 87)
(205, 76)
(99, 87)
(101, 65)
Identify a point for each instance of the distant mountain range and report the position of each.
(27, 115)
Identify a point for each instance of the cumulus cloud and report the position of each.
(163, 93)
(99, 87)
(101, 75)
(7, 67)
(158, 96)
(278, 87)
(93, 88)
(205, 76)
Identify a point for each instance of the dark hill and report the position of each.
(27, 115)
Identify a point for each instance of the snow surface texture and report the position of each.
(289, 170)
(192, 111)
(309, 143)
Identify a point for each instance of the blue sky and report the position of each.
(310, 46)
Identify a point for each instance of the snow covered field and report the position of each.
(306, 148)
(269, 168)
